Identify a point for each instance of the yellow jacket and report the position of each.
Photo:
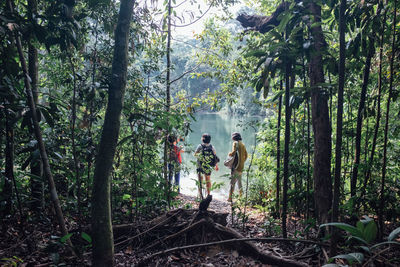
(241, 149)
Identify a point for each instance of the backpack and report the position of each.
(208, 156)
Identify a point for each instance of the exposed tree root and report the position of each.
(189, 229)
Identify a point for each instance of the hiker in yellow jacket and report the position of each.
(240, 152)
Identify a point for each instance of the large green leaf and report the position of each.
(370, 231)
(344, 226)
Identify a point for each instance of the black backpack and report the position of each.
(208, 156)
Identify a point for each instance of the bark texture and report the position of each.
(103, 248)
(320, 121)
(339, 126)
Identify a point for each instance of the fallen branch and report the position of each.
(150, 229)
(173, 236)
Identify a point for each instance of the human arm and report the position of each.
(234, 149)
(197, 151)
(215, 153)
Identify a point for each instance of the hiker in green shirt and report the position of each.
(240, 153)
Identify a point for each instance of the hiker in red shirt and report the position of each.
(175, 161)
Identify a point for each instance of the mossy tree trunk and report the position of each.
(103, 247)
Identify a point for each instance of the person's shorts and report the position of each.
(206, 171)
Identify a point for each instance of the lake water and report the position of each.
(220, 128)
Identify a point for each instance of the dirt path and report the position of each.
(215, 205)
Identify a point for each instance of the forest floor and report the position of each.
(149, 243)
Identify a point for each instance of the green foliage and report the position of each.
(226, 68)
(364, 233)
(8, 262)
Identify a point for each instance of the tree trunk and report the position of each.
(339, 125)
(36, 165)
(384, 162)
(378, 112)
(168, 104)
(38, 134)
(9, 167)
(286, 153)
(103, 247)
(278, 154)
(73, 141)
(308, 158)
(361, 106)
(91, 148)
(308, 181)
(320, 122)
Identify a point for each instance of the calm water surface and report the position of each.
(220, 128)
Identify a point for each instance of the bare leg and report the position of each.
(239, 181)
(200, 176)
(208, 183)
(233, 182)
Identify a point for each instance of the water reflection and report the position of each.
(220, 128)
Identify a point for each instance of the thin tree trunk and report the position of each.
(339, 126)
(278, 154)
(90, 104)
(286, 153)
(9, 167)
(39, 138)
(168, 104)
(384, 162)
(361, 106)
(293, 165)
(308, 181)
(134, 173)
(103, 247)
(74, 152)
(308, 158)
(378, 112)
(36, 166)
(321, 124)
